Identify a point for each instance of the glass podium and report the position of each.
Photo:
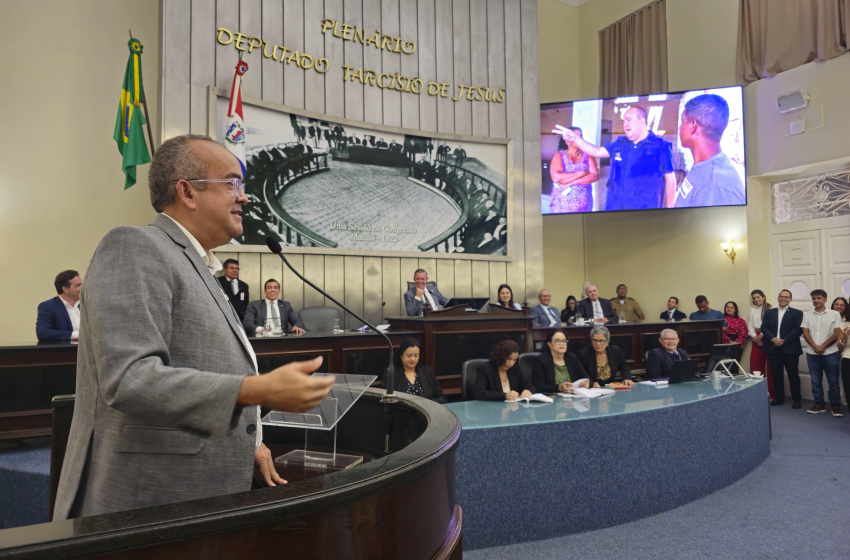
(345, 391)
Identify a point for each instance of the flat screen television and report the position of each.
(665, 150)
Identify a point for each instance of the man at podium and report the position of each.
(167, 385)
(421, 293)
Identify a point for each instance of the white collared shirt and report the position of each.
(74, 314)
(781, 314)
(551, 312)
(597, 310)
(214, 265)
(821, 326)
(754, 320)
(428, 298)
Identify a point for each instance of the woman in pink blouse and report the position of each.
(737, 331)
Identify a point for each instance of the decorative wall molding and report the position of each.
(812, 197)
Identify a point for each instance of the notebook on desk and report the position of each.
(684, 370)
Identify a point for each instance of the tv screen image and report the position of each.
(665, 150)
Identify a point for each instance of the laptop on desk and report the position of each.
(684, 371)
(471, 303)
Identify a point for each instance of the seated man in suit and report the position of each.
(544, 315)
(271, 311)
(659, 361)
(59, 317)
(672, 314)
(236, 289)
(420, 293)
(595, 309)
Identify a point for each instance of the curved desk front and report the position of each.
(538, 471)
(366, 511)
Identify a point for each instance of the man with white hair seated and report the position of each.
(659, 361)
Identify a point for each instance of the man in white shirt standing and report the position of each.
(59, 317)
(821, 329)
(544, 315)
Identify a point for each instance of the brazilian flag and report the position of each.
(130, 122)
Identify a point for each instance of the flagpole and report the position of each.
(145, 109)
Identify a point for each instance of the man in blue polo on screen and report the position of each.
(713, 180)
(641, 171)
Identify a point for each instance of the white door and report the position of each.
(805, 260)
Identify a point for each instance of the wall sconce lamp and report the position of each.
(729, 249)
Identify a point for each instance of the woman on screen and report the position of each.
(572, 173)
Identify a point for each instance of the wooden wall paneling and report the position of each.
(293, 39)
(177, 61)
(391, 63)
(335, 278)
(408, 24)
(425, 48)
(514, 130)
(499, 275)
(481, 280)
(478, 59)
(446, 277)
(224, 255)
(463, 279)
(373, 101)
(353, 290)
(314, 45)
(249, 272)
(251, 25)
(430, 265)
(334, 52)
(226, 56)
(202, 70)
(462, 70)
(533, 253)
(271, 267)
(314, 270)
(273, 35)
(407, 268)
(373, 293)
(392, 287)
(496, 78)
(353, 57)
(445, 66)
(292, 287)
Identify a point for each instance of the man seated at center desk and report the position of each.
(416, 297)
(595, 309)
(271, 311)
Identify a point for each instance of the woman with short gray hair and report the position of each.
(601, 361)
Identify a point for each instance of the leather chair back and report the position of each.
(319, 319)
(467, 376)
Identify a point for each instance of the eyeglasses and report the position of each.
(598, 340)
(235, 182)
(556, 341)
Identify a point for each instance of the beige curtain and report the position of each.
(777, 35)
(633, 53)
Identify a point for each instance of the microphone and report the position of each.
(372, 316)
(274, 247)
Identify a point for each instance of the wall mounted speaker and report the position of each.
(792, 101)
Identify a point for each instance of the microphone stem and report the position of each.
(390, 374)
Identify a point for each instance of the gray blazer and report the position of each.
(255, 316)
(160, 364)
(540, 317)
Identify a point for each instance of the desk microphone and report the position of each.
(372, 316)
(389, 397)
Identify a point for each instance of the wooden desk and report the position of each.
(31, 374)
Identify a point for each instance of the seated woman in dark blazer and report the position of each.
(602, 362)
(412, 378)
(501, 379)
(555, 369)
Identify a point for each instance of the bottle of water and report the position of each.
(622, 316)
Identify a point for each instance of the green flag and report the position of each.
(130, 122)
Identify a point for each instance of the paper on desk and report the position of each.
(592, 393)
(536, 397)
